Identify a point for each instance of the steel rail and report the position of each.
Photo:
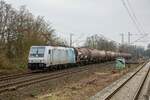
(14, 76)
(114, 92)
(15, 85)
(141, 86)
(20, 75)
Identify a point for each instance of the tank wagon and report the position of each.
(44, 57)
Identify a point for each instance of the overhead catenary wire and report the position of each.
(131, 16)
(135, 17)
(139, 38)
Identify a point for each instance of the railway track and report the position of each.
(22, 83)
(129, 88)
(116, 94)
(14, 76)
(20, 75)
(24, 80)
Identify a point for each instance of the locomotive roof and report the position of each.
(57, 47)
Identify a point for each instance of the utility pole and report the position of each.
(71, 39)
(122, 38)
(129, 37)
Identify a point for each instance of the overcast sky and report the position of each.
(86, 17)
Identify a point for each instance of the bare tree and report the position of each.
(100, 43)
(19, 30)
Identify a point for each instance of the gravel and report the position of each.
(79, 86)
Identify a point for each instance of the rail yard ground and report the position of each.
(132, 86)
(74, 86)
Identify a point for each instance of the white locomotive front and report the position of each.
(41, 57)
(37, 57)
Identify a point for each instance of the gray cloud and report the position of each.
(89, 16)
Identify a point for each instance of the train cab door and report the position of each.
(50, 56)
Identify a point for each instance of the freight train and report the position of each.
(49, 57)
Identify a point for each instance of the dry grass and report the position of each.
(83, 89)
(11, 66)
(86, 87)
(4, 62)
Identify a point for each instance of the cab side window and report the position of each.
(49, 52)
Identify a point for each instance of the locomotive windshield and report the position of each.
(37, 52)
